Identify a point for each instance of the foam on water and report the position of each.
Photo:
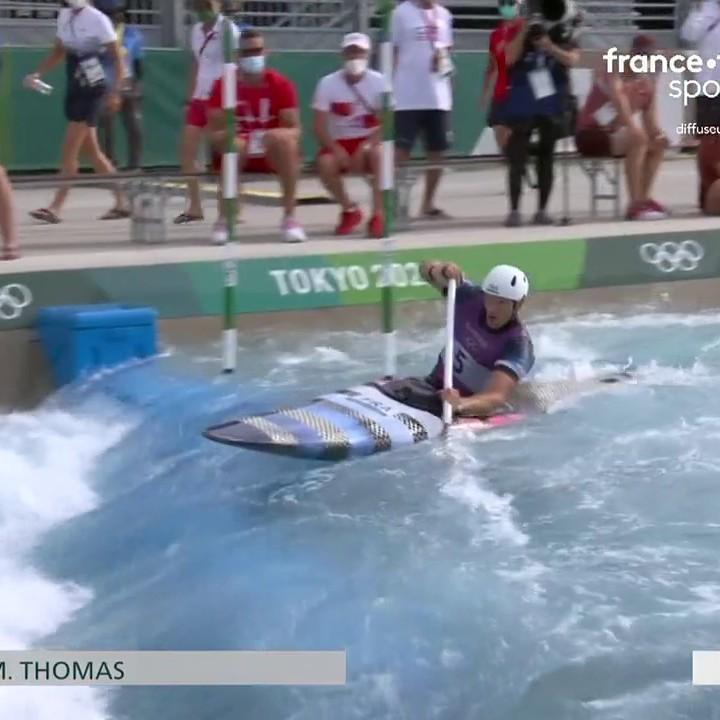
(46, 458)
(557, 569)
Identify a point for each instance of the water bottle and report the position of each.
(35, 83)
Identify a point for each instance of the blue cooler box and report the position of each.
(79, 340)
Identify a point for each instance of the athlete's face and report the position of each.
(207, 8)
(498, 311)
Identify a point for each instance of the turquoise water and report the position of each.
(560, 569)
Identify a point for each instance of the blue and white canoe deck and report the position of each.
(358, 421)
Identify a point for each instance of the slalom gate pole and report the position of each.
(449, 348)
(387, 180)
(230, 185)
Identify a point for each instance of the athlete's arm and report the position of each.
(438, 273)
(289, 118)
(499, 387)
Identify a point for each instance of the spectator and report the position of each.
(702, 29)
(347, 127)
(8, 228)
(708, 160)
(82, 34)
(131, 49)
(207, 66)
(267, 127)
(620, 119)
(538, 62)
(495, 85)
(422, 38)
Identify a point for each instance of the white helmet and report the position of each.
(507, 282)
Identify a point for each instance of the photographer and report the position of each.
(539, 96)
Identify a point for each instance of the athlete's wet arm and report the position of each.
(500, 384)
(437, 273)
(53, 58)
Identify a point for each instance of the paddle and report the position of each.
(449, 352)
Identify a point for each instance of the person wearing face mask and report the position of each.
(83, 34)
(267, 129)
(346, 106)
(620, 119)
(495, 85)
(206, 41)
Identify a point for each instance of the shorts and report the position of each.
(594, 142)
(260, 165)
(84, 105)
(351, 147)
(196, 113)
(433, 124)
(496, 116)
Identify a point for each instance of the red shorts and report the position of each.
(196, 113)
(260, 165)
(351, 146)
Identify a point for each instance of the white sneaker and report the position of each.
(219, 232)
(292, 231)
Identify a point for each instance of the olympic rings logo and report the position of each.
(13, 300)
(670, 256)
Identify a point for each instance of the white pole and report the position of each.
(449, 349)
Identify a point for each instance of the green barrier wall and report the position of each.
(31, 125)
(193, 289)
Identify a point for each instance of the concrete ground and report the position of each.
(475, 199)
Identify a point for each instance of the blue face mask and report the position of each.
(253, 65)
(508, 12)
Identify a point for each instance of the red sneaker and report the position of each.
(657, 207)
(376, 226)
(349, 220)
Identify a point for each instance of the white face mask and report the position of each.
(357, 66)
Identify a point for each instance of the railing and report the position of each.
(140, 12)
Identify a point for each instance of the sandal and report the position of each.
(436, 214)
(184, 218)
(45, 215)
(10, 253)
(115, 214)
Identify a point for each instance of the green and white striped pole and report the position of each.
(387, 180)
(229, 184)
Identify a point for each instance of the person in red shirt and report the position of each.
(708, 163)
(267, 129)
(496, 77)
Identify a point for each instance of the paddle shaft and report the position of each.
(449, 347)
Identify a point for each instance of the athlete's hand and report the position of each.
(450, 271)
(452, 396)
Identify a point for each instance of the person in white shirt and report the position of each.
(207, 43)
(346, 109)
(702, 29)
(83, 33)
(422, 39)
